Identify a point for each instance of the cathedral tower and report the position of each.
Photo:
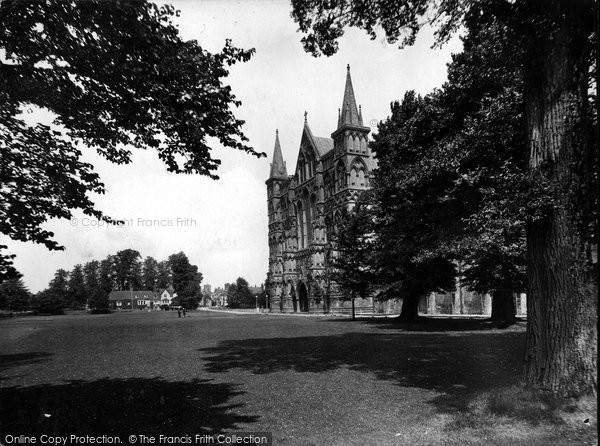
(277, 186)
(352, 158)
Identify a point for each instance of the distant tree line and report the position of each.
(91, 283)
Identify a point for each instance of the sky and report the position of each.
(222, 225)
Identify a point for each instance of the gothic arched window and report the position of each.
(361, 178)
(301, 168)
(301, 225)
(363, 144)
(340, 174)
(313, 213)
(277, 213)
(353, 177)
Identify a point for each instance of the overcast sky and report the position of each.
(222, 225)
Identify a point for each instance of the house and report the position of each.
(219, 296)
(166, 296)
(133, 300)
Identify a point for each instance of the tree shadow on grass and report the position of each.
(457, 365)
(20, 359)
(113, 406)
(431, 324)
(477, 375)
(10, 361)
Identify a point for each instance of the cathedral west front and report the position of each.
(305, 205)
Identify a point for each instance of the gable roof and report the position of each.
(323, 144)
(124, 295)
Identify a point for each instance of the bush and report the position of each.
(48, 302)
(98, 302)
(100, 311)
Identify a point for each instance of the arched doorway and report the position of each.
(294, 299)
(303, 295)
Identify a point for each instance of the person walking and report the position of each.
(179, 311)
(184, 311)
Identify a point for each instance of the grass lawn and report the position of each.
(309, 381)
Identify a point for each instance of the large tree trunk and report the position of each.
(562, 296)
(503, 306)
(410, 310)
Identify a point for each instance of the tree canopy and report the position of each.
(408, 208)
(351, 261)
(77, 292)
(113, 76)
(239, 294)
(452, 183)
(55, 298)
(324, 21)
(128, 269)
(186, 281)
(14, 295)
(150, 274)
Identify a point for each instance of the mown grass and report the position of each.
(309, 381)
(516, 415)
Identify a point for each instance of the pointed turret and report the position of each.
(349, 113)
(278, 165)
(350, 116)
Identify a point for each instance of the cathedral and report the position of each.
(305, 205)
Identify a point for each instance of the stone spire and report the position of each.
(278, 165)
(349, 114)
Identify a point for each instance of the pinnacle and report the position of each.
(278, 166)
(349, 113)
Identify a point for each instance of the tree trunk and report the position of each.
(561, 346)
(503, 306)
(410, 310)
